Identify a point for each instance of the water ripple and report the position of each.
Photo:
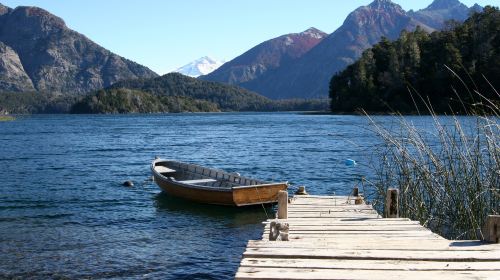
(64, 213)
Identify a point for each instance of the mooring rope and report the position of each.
(261, 202)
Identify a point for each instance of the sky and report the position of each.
(166, 34)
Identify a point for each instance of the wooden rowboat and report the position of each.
(212, 186)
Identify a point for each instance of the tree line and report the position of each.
(421, 72)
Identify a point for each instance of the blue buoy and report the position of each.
(350, 162)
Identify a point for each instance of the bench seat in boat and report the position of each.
(163, 169)
(198, 181)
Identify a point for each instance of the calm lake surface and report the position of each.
(65, 214)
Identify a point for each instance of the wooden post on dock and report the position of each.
(283, 205)
(357, 198)
(355, 191)
(491, 230)
(391, 204)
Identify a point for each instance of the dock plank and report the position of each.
(332, 238)
(374, 254)
(388, 244)
(351, 274)
(369, 264)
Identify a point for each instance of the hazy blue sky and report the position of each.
(166, 34)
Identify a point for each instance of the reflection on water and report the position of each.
(234, 217)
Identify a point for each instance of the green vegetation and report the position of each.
(227, 98)
(448, 173)
(6, 118)
(124, 100)
(119, 101)
(178, 93)
(421, 68)
(36, 103)
(284, 105)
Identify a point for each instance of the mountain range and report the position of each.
(38, 52)
(201, 66)
(267, 56)
(307, 75)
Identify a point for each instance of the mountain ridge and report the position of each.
(309, 75)
(438, 12)
(57, 58)
(266, 56)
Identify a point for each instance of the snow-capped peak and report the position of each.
(201, 66)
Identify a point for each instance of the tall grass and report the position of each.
(448, 173)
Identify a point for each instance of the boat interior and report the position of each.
(192, 174)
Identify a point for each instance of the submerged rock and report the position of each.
(128, 184)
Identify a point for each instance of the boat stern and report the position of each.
(257, 194)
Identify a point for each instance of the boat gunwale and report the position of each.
(193, 186)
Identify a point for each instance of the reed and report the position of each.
(448, 176)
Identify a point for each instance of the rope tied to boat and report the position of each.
(261, 202)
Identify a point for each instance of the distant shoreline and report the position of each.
(7, 118)
(311, 113)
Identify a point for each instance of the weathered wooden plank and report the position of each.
(333, 215)
(462, 256)
(347, 219)
(380, 238)
(328, 228)
(333, 207)
(332, 203)
(348, 274)
(320, 197)
(327, 222)
(329, 211)
(325, 204)
(340, 206)
(314, 237)
(397, 244)
(332, 238)
(353, 233)
(369, 264)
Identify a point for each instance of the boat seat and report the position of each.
(163, 169)
(198, 181)
(232, 178)
(191, 168)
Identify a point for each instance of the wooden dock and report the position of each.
(330, 237)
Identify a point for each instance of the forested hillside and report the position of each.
(121, 101)
(443, 68)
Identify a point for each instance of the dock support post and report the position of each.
(391, 203)
(491, 230)
(283, 205)
(357, 198)
(355, 191)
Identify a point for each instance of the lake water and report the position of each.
(64, 212)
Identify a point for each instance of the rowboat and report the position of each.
(212, 186)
